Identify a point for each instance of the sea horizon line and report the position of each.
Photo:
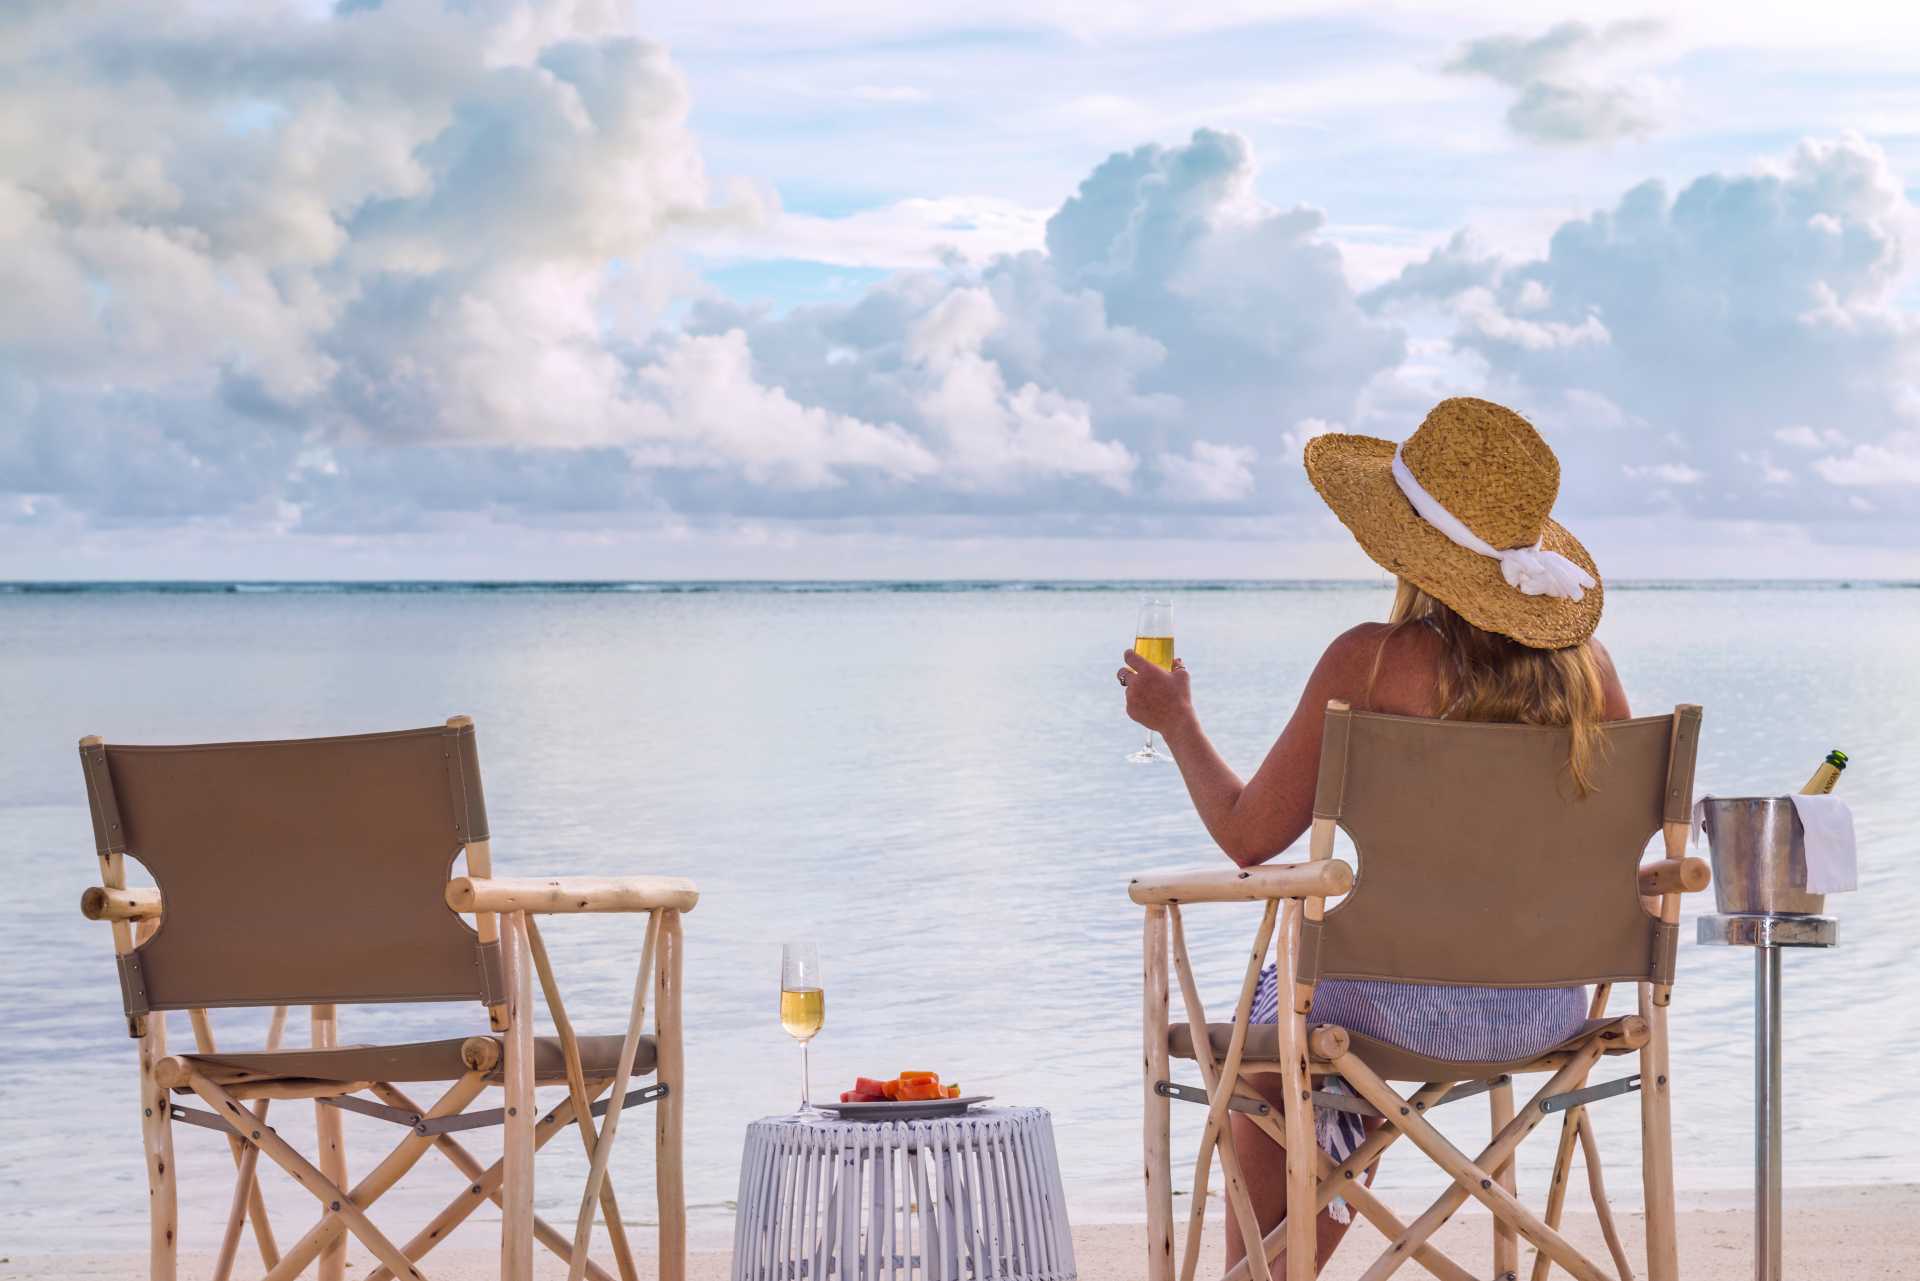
(669, 586)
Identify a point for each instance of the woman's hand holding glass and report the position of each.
(1157, 698)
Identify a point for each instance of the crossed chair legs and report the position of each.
(1482, 1177)
(508, 1182)
(345, 1208)
(1316, 1179)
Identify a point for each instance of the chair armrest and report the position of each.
(1319, 879)
(1674, 876)
(98, 903)
(571, 894)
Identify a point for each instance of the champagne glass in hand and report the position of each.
(803, 1008)
(1153, 641)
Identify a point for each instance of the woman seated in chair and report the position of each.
(1493, 621)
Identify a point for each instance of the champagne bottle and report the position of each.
(1827, 775)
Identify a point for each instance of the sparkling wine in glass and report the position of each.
(803, 1008)
(1153, 641)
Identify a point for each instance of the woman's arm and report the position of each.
(1255, 820)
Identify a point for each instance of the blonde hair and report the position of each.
(1485, 676)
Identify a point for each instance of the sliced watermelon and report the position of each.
(867, 1085)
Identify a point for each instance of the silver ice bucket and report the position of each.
(1759, 857)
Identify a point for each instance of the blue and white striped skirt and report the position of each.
(1441, 1021)
(1465, 1024)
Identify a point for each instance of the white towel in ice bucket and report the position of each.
(1828, 823)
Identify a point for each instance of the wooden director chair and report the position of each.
(1478, 865)
(315, 872)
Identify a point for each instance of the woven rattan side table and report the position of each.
(960, 1198)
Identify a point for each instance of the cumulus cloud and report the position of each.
(1482, 313)
(1740, 310)
(1801, 436)
(1449, 270)
(352, 271)
(1665, 473)
(1146, 357)
(712, 412)
(1894, 463)
(919, 232)
(366, 272)
(412, 242)
(1209, 473)
(1553, 103)
(251, 234)
(994, 434)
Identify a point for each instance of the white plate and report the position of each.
(913, 1110)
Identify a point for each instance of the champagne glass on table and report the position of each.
(1153, 641)
(803, 1008)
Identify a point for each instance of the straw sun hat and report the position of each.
(1460, 511)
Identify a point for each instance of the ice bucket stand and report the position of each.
(1755, 842)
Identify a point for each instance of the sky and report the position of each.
(890, 288)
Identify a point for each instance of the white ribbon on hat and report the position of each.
(1534, 570)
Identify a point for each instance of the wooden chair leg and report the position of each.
(1156, 1135)
(1221, 1081)
(670, 1071)
(246, 1189)
(1302, 1221)
(577, 1092)
(1596, 1185)
(1506, 1242)
(332, 1141)
(484, 1185)
(1334, 1180)
(1471, 1178)
(1563, 1156)
(305, 1173)
(156, 1136)
(248, 1202)
(1557, 1185)
(516, 1216)
(1656, 1143)
(377, 1181)
(1240, 1200)
(666, 1136)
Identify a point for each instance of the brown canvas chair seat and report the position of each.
(417, 1061)
(1397, 1063)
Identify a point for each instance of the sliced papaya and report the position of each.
(953, 1091)
(890, 1089)
(918, 1091)
(919, 1076)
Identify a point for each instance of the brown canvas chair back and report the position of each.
(1480, 864)
(298, 872)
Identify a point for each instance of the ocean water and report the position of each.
(929, 781)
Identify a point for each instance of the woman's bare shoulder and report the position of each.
(1380, 666)
(1351, 653)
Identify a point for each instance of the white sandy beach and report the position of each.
(1857, 1233)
